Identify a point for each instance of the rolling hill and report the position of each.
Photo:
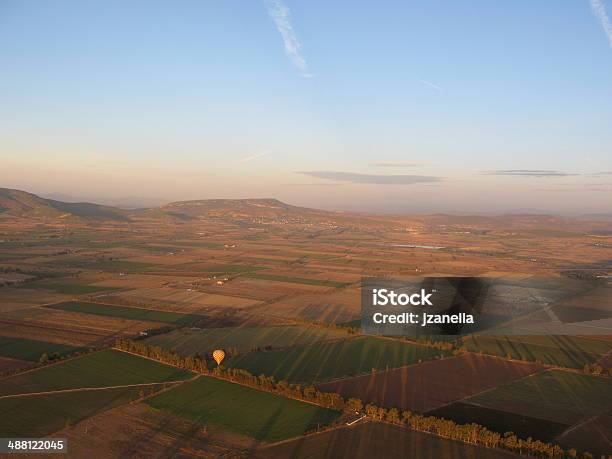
(18, 203)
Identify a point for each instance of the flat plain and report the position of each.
(261, 415)
(558, 396)
(100, 369)
(431, 384)
(328, 360)
(376, 440)
(277, 287)
(190, 341)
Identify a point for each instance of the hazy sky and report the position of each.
(387, 105)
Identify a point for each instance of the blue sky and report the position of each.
(312, 102)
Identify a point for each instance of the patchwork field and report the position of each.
(555, 395)
(32, 350)
(72, 328)
(185, 300)
(332, 306)
(40, 415)
(325, 361)
(99, 369)
(88, 281)
(138, 431)
(261, 415)
(9, 365)
(188, 341)
(15, 299)
(501, 421)
(296, 280)
(368, 440)
(429, 385)
(594, 435)
(67, 286)
(565, 351)
(257, 289)
(139, 314)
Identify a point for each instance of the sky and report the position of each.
(387, 106)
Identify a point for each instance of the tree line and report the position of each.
(472, 433)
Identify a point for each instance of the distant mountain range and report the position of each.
(18, 203)
(22, 204)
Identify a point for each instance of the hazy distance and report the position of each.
(390, 107)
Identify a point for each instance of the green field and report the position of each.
(102, 264)
(147, 315)
(330, 360)
(296, 280)
(369, 440)
(39, 415)
(216, 269)
(556, 395)
(28, 349)
(564, 351)
(189, 341)
(261, 415)
(69, 288)
(100, 369)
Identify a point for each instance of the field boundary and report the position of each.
(86, 389)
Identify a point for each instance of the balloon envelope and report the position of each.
(218, 355)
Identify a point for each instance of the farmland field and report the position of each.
(261, 415)
(39, 415)
(99, 369)
(72, 328)
(368, 440)
(295, 280)
(324, 361)
(565, 351)
(137, 430)
(285, 273)
(67, 287)
(9, 365)
(427, 386)
(182, 300)
(556, 395)
(594, 436)
(501, 421)
(191, 341)
(126, 312)
(103, 264)
(28, 349)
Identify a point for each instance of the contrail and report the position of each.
(279, 13)
(431, 85)
(600, 11)
(252, 157)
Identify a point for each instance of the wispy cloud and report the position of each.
(279, 12)
(600, 12)
(528, 173)
(315, 184)
(353, 177)
(397, 164)
(252, 157)
(431, 85)
(573, 190)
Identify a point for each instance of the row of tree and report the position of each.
(469, 433)
(46, 359)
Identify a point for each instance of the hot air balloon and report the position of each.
(219, 355)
